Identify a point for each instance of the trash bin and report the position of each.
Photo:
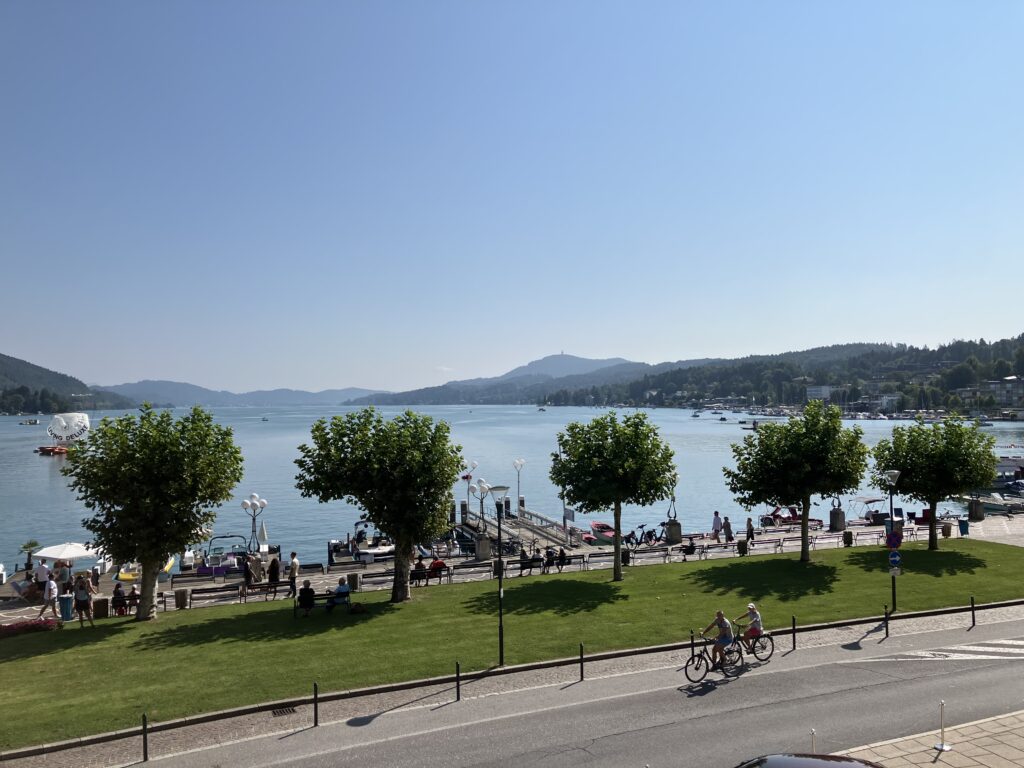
(67, 607)
(354, 581)
(100, 607)
(181, 599)
(741, 547)
(947, 530)
(888, 526)
(965, 527)
(847, 538)
(626, 556)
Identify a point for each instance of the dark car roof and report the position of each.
(805, 761)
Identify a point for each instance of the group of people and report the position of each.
(423, 572)
(340, 595)
(550, 559)
(80, 587)
(722, 527)
(725, 637)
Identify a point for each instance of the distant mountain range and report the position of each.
(173, 393)
(530, 383)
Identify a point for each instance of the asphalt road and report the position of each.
(853, 694)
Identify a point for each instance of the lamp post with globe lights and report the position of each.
(499, 493)
(254, 507)
(518, 465)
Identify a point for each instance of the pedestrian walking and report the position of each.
(50, 597)
(727, 530)
(716, 527)
(293, 574)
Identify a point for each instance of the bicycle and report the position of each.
(699, 665)
(762, 646)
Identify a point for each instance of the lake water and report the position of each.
(35, 501)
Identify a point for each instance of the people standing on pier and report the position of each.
(716, 527)
(727, 530)
(41, 573)
(293, 574)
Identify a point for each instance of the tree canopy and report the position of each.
(935, 462)
(153, 483)
(399, 472)
(606, 463)
(785, 464)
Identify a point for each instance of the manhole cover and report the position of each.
(284, 711)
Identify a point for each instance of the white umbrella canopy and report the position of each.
(69, 550)
(262, 535)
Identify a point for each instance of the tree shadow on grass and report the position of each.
(942, 562)
(35, 644)
(562, 597)
(269, 626)
(780, 579)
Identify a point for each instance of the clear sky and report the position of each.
(397, 194)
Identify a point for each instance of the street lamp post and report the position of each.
(254, 507)
(518, 465)
(499, 493)
(891, 476)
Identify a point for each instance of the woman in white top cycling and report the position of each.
(753, 625)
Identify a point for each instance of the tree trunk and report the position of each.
(933, 527)
(400, 586)
(617, 565)
(147, 590)
(805, 524)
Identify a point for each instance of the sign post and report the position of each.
(895, 559)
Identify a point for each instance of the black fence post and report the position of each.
(794, 633)
(973, 622)
(458, 682)
(581, 662)
(693, 645)
(885, 608)
(145, 738)
(316, 705)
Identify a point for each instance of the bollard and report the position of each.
(794, 633)
(145, 738)
(458, 682)
(813, 749)
(942, 746)
(316, 705)
(973, 622)
(693, 645)
(581, 662)
(885, 608)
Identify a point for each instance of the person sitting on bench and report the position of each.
(341, 595)
(307, 598)
(436, 570)
(419, 571)
(690, 548)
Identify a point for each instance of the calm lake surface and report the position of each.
(35, 501)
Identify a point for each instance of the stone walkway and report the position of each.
(997, 742)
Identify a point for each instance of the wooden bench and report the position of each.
(662, 553)
(798, 540)
(706, 549)
(868, 535)
(202, 593)
(485, 567)
(826, 538)
(320, 598)
(763, 545)
(600, 557)
(307, 568)
(345, 566)
(177, 578)
(266, 589)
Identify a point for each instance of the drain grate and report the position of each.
(283, 711)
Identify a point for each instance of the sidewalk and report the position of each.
(997, 742)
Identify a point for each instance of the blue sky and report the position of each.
(393, 195)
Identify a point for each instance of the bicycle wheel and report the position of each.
(696, 668)
(733, 660)
(764, 647)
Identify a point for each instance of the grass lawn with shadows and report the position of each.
(75, 681)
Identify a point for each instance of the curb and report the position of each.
(887, 742)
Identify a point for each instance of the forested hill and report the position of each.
(924, 377)
(26, 387)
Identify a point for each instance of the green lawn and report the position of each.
(80, 681)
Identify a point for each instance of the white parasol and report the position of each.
(262, 535)
(69, 550)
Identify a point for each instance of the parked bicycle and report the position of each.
(699, 665)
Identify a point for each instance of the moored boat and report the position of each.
(602, 532)
(132, 572)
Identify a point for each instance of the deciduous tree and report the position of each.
(935, 462)
(399, 472)
(606, 463)
(786, 464)
(153, 483)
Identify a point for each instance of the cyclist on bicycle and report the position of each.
(723, 640)
(753, 625)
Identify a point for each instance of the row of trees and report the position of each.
(25, 400)
(153, 482)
